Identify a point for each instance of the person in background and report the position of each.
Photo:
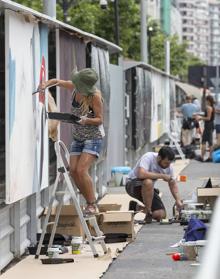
(217, 122)
(196, 102)
(141, 180)
(207, 136)
(88, 133)
(187, 110)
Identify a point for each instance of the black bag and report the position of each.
(189, 151)
(188, 124)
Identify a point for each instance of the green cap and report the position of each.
(84, 81)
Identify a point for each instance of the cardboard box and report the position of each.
(208, 195)
(109, 207)
(68, 223)
(117, 222)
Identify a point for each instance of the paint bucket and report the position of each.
(76, 244)
(53, 252)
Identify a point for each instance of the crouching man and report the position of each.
(141, 180)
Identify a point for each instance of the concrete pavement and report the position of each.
(146, 257)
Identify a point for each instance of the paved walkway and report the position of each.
(146, 257)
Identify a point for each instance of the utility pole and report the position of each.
(66, 4)
(117, 34)
(205, 82)
(144, 50)
(167, 56)
(49, 8)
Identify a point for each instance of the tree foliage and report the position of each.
(33, 4)
(88, 16)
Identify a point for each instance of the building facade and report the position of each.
(202, 29)
(195, 26)
(176, 23)
(153, 9)
(214, 15)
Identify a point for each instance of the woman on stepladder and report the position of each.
(87, 103)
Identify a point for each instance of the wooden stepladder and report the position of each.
(63, 170)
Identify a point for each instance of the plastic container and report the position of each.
(182, 178)
(179, 257)
(216, 156)
(76, 244)
(119, 175)
(53, 252)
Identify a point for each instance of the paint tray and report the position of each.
(57, 260)
(64, 117)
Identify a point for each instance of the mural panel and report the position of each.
(100, 62)
(26, 125)
(72, 57)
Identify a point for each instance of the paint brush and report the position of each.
(39, 90)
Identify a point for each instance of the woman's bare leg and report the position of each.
(85, 183)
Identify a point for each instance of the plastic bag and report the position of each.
(196, 230)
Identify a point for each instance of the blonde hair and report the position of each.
(87, 102)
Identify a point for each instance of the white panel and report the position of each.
(115, 151)
(5, 235)
(24, 241)
(24, 219)
(160, 103)
(23, 207)
(5, 255)
(39, 209)
(26, 128)
(4, 219)
(154, 107)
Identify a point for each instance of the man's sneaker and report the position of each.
(132, 206)
(148, 218)
(156, 190)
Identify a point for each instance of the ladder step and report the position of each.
(90, 218)
(98, 238)
(50, 223)
(61, 192)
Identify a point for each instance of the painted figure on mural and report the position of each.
(87, 103)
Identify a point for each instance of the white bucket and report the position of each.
(118, 178)
(76, 244)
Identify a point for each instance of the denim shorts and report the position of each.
(133, 188)
(93, 147)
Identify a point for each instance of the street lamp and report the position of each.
(150, 32)
(66, 4)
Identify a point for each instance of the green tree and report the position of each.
(33, 4)
(88, 16)
(180, 59)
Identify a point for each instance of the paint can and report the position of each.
(76, 244)
(53, 252)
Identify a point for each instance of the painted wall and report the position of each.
(26, 130)
(72, 55)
